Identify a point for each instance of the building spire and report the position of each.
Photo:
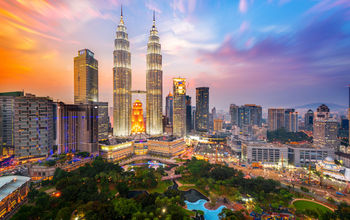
(121, 15)
(154, 19)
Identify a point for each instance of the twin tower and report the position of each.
(122, 93)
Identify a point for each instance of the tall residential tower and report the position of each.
(154, 83)
(121, 82)
(202, 109)
(179, 112)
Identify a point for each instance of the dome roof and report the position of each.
(329, 159)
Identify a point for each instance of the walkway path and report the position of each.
(309, 200)
(148, 157)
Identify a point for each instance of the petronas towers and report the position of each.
(122, 93)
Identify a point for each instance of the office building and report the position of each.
(234, 114)
(103, 120)
(322, 112)
(249, 115)
(85, 77)
(305, 155)
(122, 82)
(213, 111)
(188, 114)
(179, 107)
(169, 107)
(77, 128)
(202, 109)
(218, 124)
(325, 133)
(154, 83)
(282, 118)
(291, 120)
(309, 120)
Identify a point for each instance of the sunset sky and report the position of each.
(267, 52)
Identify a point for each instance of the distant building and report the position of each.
(218, 124)
(77, 127)
(322, 112)
(103, 120)
(309, 120)
(188, 114)
(234, 114)
(169, 107)
(213, 111)
(179, 108)
(325, 133)
(202, 109)
(282, 118)
(85, 77)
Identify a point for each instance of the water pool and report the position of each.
(208, 214)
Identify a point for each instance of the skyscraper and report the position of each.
(275, 118)
(249, 115)
(77, 127)
(188, 114)
(154, 83)
(291, 120)
(122, 82)
(309, 120)
(169, 107)
(85, 77)
(325, 129)
(202, 109)
(234, 114)
(179, 110)
(103, 120)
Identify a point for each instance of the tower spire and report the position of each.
(121, 15)
(154, 18)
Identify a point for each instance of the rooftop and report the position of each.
(9, 184)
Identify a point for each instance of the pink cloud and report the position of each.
(243, 6)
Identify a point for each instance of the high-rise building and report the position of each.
(85, 77)
(213, 111)
(275, 118)
(7, 107)
(77, 128)
(349, 115)
(103, 120)
(234, 114)
(325, 129)
(202, 109)
(169, 107)
(27, 124)
(218, 124)
(137, 125)
(33, 126)
(154, 83)
(179, 108)
(291, 120)
(247, 115)
(122, 82)
(309, 120)
(188, 114)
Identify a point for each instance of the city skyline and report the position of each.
(292, 61)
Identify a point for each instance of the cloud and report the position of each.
(314, 56)
(243, 6)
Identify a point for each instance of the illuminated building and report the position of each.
(154, 83)
(77, 128)
(13, 191)
(115, 150)
(202, 109)
(234, 114)
(85, 77)
(325, 133)
(169, 107)
(328, 167)
(276, 118)
(137, 125)
(179, 108)
(121, 82)
(218, 124)
(309, 120)
(7, 109)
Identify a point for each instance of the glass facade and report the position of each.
(202, 109)
(121, 82)
(179, 110)
(154, 84)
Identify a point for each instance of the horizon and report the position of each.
(238, 49)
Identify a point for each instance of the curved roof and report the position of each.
(9, 184)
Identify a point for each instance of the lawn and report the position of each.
(304, 205)
(161, 187)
